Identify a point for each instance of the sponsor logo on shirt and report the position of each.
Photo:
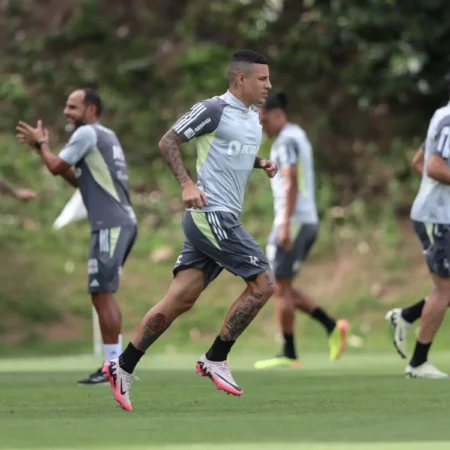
(205, 122)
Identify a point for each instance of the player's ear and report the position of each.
(240, 78)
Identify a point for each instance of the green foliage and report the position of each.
(363, 79)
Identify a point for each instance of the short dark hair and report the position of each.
(91, 97)
(248, 56)
(275, 101)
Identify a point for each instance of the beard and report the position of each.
(71, 127)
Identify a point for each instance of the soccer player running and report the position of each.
(20, 194)
(94, 162)
(294, 231)
(431, 221)
(227, 134)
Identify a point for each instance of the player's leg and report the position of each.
(432, 316)
(336, 329)
(285, 316)
(435, 307)
(214, 362)
(183, 292)
(192, 273)
(401, 319)
(223, 239)
(108, 251)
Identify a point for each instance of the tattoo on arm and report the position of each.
(241, 317)
(152, 330)
(169, 147)
(6, 187)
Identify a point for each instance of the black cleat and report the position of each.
(95, 379)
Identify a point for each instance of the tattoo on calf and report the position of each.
(171, 153)
(153, 329)
(241, 317)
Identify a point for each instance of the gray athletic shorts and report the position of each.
(435, 240)
(108, 251)
(286, 264)
(215, 241)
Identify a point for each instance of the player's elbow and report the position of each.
(54, 170)
(433, 166)
(162, 146)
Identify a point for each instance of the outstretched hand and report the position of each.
(25, 194)
(26, 134)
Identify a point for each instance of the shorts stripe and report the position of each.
(202, 224)
(215, 223)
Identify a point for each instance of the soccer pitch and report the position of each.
(362, 402)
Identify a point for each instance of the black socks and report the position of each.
(129, 358)
(320, 315)
(420, 354)
(219, 350)
(412, 313)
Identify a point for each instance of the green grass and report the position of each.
(361, 402)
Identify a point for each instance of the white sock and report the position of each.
(112, 351)
(120, 343)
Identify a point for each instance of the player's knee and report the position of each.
(184, 299)
(264, 284)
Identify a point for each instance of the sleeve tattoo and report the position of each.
(169, 147)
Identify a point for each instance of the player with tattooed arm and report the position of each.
(227, 133)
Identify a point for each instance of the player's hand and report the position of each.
(193, 197)
(25, 194)
(284, 236)
(26, 134)
(269, 167)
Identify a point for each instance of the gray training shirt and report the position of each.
(102, 175)
(227, 136)
(432, 203)
(292, 148)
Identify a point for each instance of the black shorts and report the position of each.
(217, 240)
(435, 240)
(108, 251)
(286, 264)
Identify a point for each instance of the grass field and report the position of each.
(361, 402)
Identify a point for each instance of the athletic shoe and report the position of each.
(337, 339)
(97, 378)
(425, 370)
(278, 361)
(400, 329)
(120, 382)
(220, 375)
